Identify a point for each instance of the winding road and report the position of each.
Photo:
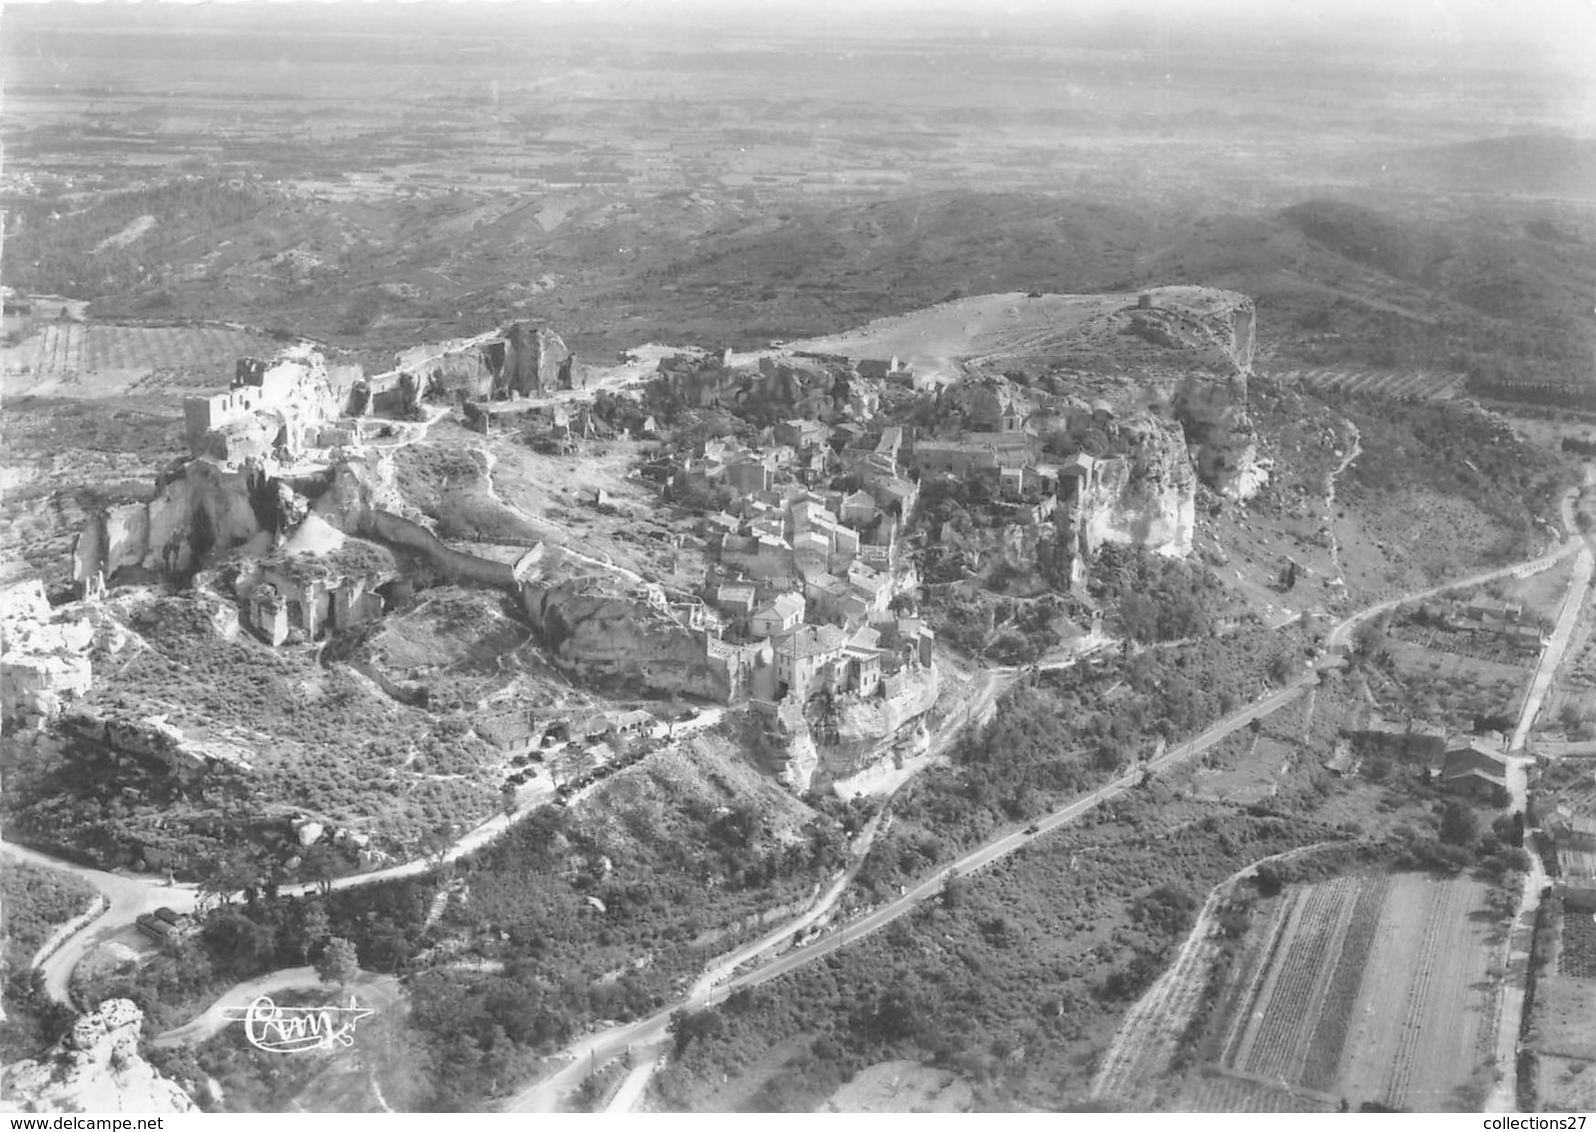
(595, 1050)
(129, 896)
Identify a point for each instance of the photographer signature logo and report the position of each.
(298, 1029)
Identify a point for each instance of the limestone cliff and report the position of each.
(865, 732)
(1220, 435)
(524, 358)
(535, 358)
(599, 629)
(818, 744)
(46, 660)
(1147, 495)
(1210, 336)
(311, 590)
(204, 507)
(96, 1067)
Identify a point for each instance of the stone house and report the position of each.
(781, 615)
(858, 509)
(806, 659)
(1477, 766)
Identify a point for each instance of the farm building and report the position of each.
(512, 731)
(1476, 765)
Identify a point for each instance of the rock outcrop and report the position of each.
(1220, 434)
(522, 359)
(600, 629)
(535, 357)
(866, 732)
(154, 739)
(96, 1067)
(322, 581)
(46, 662)
(1146, 496)
(204, 507)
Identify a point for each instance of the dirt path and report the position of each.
(1149, 1036)
(632, 1089)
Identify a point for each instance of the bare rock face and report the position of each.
(1220, 435)
(1148, 496)
(206, 507)
(871, 731)
(533, 361)
(601, 630)
(45, 661)
(94, 1068)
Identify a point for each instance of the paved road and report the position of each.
(1521, 936)
(1567, 620)
(127, 897)
(597, 1049)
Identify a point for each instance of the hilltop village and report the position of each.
(611, 667)
(789, 491)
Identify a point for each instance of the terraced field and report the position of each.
(1378, 383)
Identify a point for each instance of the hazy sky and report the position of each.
(1565, 30)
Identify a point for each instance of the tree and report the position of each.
(338, 963)
(307, 928)
(686, 1025)
(1368, 640)
(320, 864)
(1459, 826)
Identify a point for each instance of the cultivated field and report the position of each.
(1577, 958)
(1450, 688)
(1370, 989)
(1377, 383)
(94, 360)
